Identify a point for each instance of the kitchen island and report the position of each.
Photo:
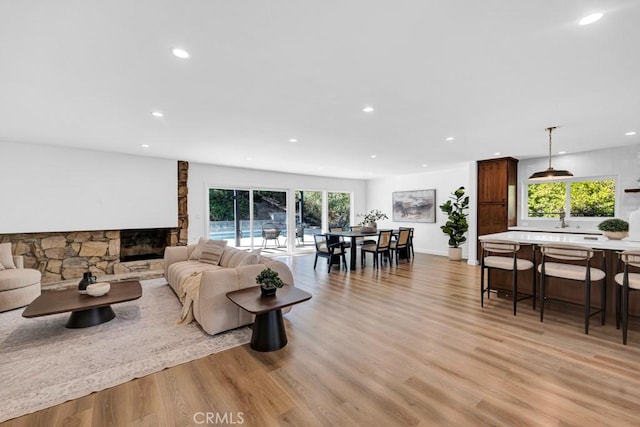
(567, 290)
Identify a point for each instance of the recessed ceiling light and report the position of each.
(562, 152)
(590, 19)
(293, 140)
(249, 158)
(373, 156)
(630, 133)
(368, 109)
(144, 145)
(181, 53)
(497, 153)
(424, 165)
(450, 138)
(157, 114)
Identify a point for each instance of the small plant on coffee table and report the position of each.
(269, 281)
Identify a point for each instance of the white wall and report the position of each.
(204, 176)
(428, 237)
(46, 189)
(623, 163)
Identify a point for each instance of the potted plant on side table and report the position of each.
(614, 228)
(456, 225)
(269, 282)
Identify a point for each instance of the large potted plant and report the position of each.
(370, 220)
(614, 228)
(456, 225)
(269, 282)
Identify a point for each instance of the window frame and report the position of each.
(567, 203)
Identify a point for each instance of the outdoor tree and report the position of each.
(593, 198)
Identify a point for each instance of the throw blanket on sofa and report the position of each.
(187, 292)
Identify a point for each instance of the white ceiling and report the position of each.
(493, 74)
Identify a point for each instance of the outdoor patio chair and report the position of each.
(270, 231)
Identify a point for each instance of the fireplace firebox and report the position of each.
(141, 244)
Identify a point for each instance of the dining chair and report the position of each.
(379, 250)
(410, 251)
(361, 240)
(576, 266)
(332, 249)
(626, 281)
(503, 255)
(401, 244)
(338, 230)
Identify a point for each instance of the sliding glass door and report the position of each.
(249, 218)
(308, 216)
(270, 219)
(258, 218)
(229, 216)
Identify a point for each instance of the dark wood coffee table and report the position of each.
(85, 309)
(268, 330)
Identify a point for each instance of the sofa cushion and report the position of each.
(6, 259)
(211, 253)
(197, 252)
(251, 258)
(232, 257)
(18, 278)
(179, 270)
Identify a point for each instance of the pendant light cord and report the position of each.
(550, 129)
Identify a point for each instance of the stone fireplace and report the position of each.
(67, 255)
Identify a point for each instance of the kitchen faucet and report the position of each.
(563, 224)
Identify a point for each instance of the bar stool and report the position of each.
(507, 260)
(627, 281)
(582, 272)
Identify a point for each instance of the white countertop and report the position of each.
(556, 229)
(536, 237)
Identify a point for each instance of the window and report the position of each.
(579, 197)
(339, 209)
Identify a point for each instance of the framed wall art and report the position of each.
(414, 206)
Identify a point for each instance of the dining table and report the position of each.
(354, 235)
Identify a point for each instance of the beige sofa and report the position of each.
(19, 286)
(211, 308)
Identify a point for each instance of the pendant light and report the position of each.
(551, 173)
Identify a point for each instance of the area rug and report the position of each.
(42, 363)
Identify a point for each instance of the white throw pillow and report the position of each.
(6, 259)
(1, 267)
(250, 258)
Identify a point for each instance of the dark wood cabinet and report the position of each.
(497, 195)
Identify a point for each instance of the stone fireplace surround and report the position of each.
(67, 255)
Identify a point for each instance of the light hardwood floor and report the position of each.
(402, 346)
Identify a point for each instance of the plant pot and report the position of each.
(369, 227)
(268, 292)
(455, 254)
(615, 235)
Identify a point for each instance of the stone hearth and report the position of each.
(63, 256)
